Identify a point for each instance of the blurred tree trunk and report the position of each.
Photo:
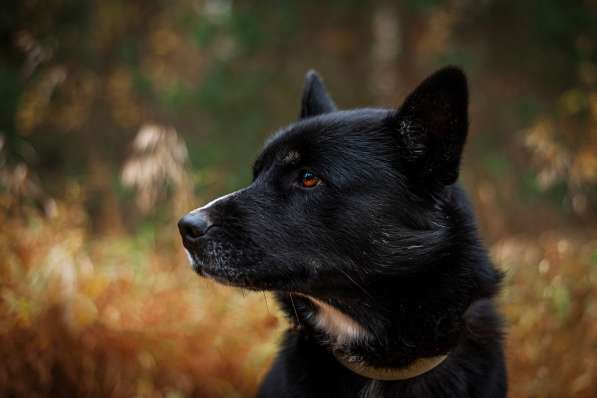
(395, 31)
(102, 201)
(385, 49)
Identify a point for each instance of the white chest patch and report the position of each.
(337, 324)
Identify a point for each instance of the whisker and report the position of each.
(364, 291)
(266, 304)
(352, 280)
(295, 312)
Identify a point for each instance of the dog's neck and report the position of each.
(345, 330)
(336, 324)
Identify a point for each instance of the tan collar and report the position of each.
(344, 329)
(417, 368)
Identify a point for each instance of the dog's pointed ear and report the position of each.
(432, 126)
(316, 99)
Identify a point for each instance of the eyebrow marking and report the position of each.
(291, 157)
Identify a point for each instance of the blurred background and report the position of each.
(117, 117)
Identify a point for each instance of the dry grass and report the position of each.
(549, 302)
(83, 315)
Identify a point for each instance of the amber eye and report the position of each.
(309, 180)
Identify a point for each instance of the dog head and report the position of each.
(340, 194)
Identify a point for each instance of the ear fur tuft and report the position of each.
(315, 100)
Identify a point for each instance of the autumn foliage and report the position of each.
(117, 117)
(119, 317)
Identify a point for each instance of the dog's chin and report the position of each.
(230, 278)
(227, 275)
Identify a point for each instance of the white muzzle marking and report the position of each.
(213, 202)
(191, 261)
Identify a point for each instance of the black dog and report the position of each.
(355, 220)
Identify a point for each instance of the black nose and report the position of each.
(193, 225)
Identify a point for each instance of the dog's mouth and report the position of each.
(196, 265)
(204, 255)
(214, 261)
(201, 263)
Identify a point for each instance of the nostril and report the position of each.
(193, 225)
(192, 231)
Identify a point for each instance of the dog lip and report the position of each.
(199, 269)
(219, 276)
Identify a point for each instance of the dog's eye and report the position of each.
(309, 180)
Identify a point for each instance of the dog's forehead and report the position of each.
(326, 131)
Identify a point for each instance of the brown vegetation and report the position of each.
(119, 116)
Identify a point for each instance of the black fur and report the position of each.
(388, 238)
